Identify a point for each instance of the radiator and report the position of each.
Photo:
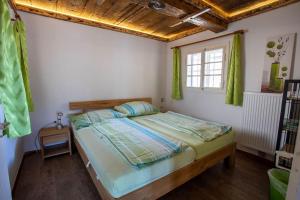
(260, 120)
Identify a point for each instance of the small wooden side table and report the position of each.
(55, 141)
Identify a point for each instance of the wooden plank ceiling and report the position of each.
(136, 17)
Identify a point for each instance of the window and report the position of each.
(210, 74)
(193, 70)
(213, 70)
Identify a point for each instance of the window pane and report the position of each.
(196, 70)
(196, 81)
(196, 58)
(193, 70)
(212, 81)
(215, 55)
(213, 68)
(189, 59)
(189, 70)
(217, 81)
(189, 81)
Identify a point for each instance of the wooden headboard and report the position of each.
(101, 104)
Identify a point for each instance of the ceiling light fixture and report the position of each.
(156, 4)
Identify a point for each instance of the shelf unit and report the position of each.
(288, 125)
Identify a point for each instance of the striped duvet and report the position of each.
(137, 144)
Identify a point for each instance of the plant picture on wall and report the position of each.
(278, 61)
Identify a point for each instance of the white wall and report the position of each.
(14, 155)
(71, 62)
(211, 106)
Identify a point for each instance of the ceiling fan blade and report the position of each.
(177, 24)
(195, 15)
(192, 18)
(197, 21)
(200, 13)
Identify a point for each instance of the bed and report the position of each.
(111, 174)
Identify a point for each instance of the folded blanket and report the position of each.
(189, 125)
(139, 145)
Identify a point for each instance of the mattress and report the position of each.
(115, 173)
(201, 147)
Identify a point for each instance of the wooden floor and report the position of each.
(65, 177)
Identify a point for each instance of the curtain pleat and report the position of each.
(176, 82)
(12, 91)
(20, 35)
(234, 90)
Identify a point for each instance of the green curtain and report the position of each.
(20, 35)
(12, 90)
(234, 90)
(176, 83)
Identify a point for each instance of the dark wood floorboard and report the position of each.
(64, 177)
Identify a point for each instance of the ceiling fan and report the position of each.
(166, 9)
(193, 18)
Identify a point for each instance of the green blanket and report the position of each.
(139, 145)
(12, 91)
(189, 125)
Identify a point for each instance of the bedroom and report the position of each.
(123, 50)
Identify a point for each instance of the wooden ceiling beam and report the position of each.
(215, 12)
(210, 22)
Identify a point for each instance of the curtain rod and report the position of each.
(235, 32)
(14, 8)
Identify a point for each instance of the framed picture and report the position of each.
(278, 60)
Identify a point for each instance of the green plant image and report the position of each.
(284, 68)
(271, 44)
(284, 75)
(276, 50)
(271, 53)
(279, 46)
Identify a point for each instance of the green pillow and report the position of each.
(80, 121)
(100, 115)
(137, 108)
(86, 119)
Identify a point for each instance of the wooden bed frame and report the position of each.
(165, 184)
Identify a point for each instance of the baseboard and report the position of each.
(257, 153)
(19, 169)
(17, 176)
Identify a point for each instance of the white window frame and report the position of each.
(186, 68)
(224, 68)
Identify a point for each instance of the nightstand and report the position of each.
(55, 141)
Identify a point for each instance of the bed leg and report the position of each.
(230, 160)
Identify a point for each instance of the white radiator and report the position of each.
(260, 120)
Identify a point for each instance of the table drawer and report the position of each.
(54, 138)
